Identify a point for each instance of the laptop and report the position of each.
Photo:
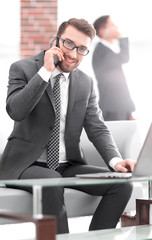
(143, 167)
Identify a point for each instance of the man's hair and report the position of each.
(80, 24)
(100, 23)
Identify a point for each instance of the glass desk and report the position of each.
(38, 184)
(40, 220)
(131, 233)
(19, 232)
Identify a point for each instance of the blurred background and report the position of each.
(27, 26)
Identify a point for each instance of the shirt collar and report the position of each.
(113, 46)
(56, 72)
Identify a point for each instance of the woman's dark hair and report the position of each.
(80, 24)
(100, 23)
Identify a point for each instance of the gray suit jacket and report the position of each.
(112, 84)
(30, 104)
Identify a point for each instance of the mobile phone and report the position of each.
(56, 60)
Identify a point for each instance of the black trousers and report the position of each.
(113, 202)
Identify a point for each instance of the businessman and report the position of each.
(110, 53)
(51, 101)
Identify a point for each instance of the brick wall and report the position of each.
(38, 25)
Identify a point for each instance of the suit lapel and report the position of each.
(72, 91)
(39, 60)
(50, 94)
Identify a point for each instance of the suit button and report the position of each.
(44, 146)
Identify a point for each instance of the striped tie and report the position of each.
(53, 145)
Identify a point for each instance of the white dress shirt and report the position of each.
(114, 46)
(64, 90)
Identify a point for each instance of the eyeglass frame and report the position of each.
(77, 47)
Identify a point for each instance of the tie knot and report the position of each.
(58, 76)
(57, 82)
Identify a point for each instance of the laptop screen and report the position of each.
(143, 167)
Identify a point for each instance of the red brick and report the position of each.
(38, 25)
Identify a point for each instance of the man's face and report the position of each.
(71, 57)
(111, 31)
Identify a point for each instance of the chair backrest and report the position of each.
(126, 135)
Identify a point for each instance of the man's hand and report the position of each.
(126, 165)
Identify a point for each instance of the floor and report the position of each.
(79, 224)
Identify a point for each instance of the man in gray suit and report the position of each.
(31, 105)
(110, 53)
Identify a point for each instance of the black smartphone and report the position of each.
(56, 60)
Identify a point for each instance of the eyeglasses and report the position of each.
(68, 44)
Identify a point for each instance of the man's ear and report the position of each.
(101, 31)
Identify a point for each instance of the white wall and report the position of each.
(128, 14)
(9, 52)
(9, 27)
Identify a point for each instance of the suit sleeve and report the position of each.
(97, 131)
(23, 93)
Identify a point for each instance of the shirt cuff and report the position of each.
(114, 161)
(44, 74)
